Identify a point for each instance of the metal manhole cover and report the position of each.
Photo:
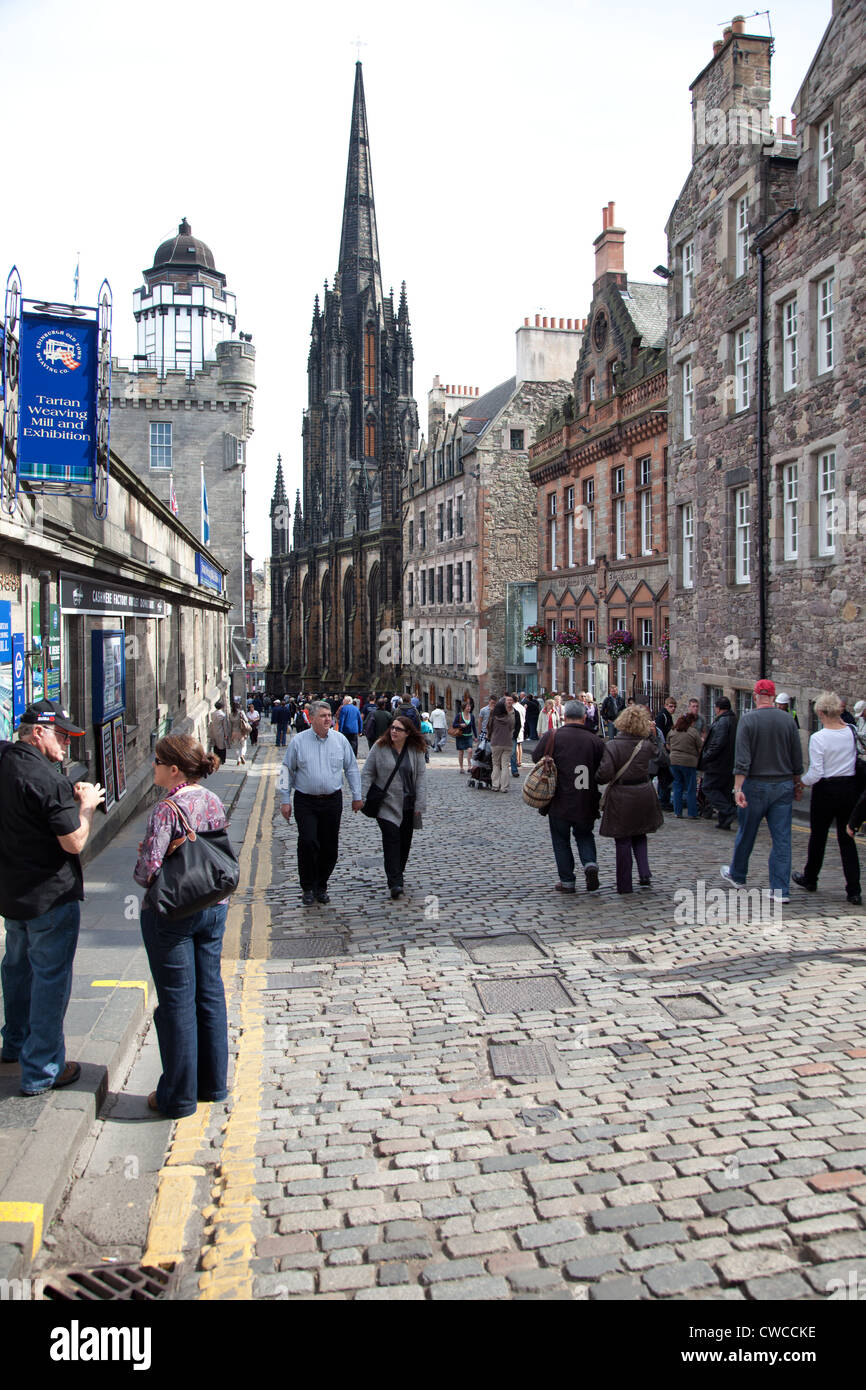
(685, 1007)
(623, 957)
(540, 1115)
(518, 996)
(520, 1060)
(513, 945)
(108, 1283)
(308, 947)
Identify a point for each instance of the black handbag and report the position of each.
(376, 795)
(200, 868)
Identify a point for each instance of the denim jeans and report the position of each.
(514, 757)
(191, 1024)
(774, 800)
(37, 980)
(685, 784)
(560, 834)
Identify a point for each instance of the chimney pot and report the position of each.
(727, 34)
(738, 24)
(611, 214)
(604, 219)
(780, 125)
(544, 322)
(718, 45)
(568, 323)
(537, 320)
(526, 323)
(793, 125)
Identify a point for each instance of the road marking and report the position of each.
(235, 1202)
(24, 1213)
(121, 984)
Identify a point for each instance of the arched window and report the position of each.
(370, 361)
(370, 438)
(305, 622)
(326, 621)
(373, 617)
(348, 619)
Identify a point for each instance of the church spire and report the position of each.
(359, 243)
(279, 487)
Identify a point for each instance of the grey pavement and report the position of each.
(41, 1137)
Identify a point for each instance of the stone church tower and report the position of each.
(337, 578)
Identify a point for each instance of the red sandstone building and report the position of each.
(600, 470)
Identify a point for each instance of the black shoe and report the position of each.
(856, 899)
(308, 897)
(591, 879)
(322, 896)
(396, 892)
(645, 882)
(803, 882)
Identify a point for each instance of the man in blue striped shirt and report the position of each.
(313, 770)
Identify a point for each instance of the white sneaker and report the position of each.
(729, 878)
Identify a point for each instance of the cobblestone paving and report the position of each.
(693, 1122)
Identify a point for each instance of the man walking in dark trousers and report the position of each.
(716, 762)
(313, 770)
(574, 808)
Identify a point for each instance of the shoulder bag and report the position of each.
(539, 788)
(617, 775)
(376, 795)
(200, 868)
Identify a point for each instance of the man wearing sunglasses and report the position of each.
(44, 825)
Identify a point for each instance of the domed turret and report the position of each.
(184, 255)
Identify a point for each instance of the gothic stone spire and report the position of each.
(359, 243)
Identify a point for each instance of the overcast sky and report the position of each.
(498, 131)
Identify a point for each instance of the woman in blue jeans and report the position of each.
(184, 955)
(685, 745)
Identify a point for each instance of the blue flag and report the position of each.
(205, 524)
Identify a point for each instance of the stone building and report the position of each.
(766, 344)
(260, 634)
(469, 542)
(137, 625)
(336, 574)
(186, 399)
(599, 471)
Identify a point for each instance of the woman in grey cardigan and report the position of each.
(402, 746)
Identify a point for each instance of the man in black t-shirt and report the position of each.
(44, 825)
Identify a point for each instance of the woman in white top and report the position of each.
(832, 761)
(545, 717)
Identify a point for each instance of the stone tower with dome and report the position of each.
(186, 399)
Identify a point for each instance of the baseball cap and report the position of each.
(45, 712)
(765, 687)
(783, 698)
(860, 706)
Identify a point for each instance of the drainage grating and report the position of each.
(308, 947)
(522, 995)
(108, 1283)
(685, 1007)
(513, 945)
(626, 956)
(519, 1061)
(540, 1115)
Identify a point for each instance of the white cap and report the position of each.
(782, 698)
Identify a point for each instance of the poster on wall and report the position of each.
(57, 399)
(107, 766)
(109, 675)
(119, 757)
(5, 669)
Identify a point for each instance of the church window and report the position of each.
(370, 363)
(370, 439)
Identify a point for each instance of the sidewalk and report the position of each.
(111, 1002)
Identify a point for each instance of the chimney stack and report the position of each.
(609, 251)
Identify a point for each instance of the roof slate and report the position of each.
(647, 306)
(476, 416)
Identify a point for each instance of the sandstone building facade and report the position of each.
(766, 351)
(599, 471)
(336, 561)
(469, 543)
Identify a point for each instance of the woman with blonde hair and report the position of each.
(545, 718)
(630, 809)
(832, 776)
(184, 953)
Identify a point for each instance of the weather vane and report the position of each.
(358, 44)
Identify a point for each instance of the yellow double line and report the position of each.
(226, 1261)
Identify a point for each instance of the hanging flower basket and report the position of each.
(534, 636)
(620, 643)
(664, 646)
(568, 644)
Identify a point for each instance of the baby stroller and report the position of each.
(481, 766)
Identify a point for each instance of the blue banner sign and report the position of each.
(17, 678)
(57, 426)
(208, 574)
(5, 631)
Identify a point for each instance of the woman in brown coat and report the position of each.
(630, 810)
(685, 743)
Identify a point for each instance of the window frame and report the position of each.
(826, 508)
(790, 510)
(161, 445)
(742, 504)
(826, 310)
(687, 540)
(742, 363)
(741, 235)
(688, 276)
(826, 160)
(790, 345)
(688, 399)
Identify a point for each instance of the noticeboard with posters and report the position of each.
(106, 768)
(109, 675)
(119, 757)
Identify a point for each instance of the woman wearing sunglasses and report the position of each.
(184, 953)
(400, 751)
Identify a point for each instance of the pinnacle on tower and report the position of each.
(279, 486)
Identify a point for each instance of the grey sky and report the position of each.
(498, 131)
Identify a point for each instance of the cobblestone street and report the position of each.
(491, 1090)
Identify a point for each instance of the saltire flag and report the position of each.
(205, 524)
(172, 495)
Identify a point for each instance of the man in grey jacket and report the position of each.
(768, 767)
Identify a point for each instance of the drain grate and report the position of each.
(520, 1061)
(513, 945)
(539, 1115)
(520, 995)
(108, 1283)
(308, 947)
(625, 956)
(685, 1007)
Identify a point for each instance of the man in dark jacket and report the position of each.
(717, 764)
(377, 721)
(612, 706)
(533, 710)
(280, 718)
(664, 722)
(574, 808)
